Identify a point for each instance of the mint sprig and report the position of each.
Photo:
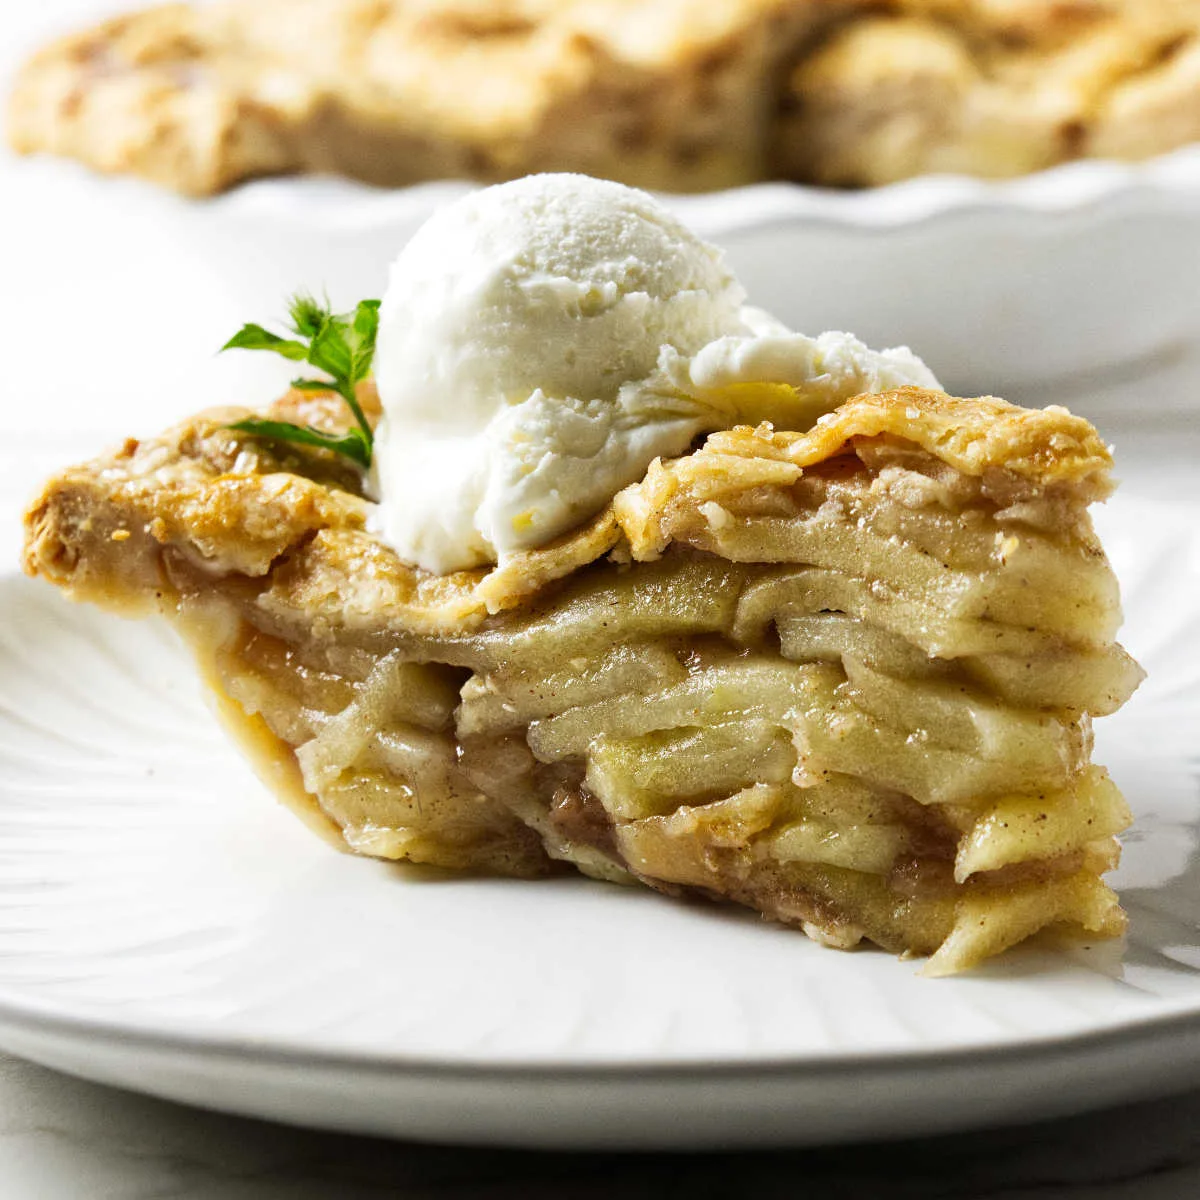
(340, 344)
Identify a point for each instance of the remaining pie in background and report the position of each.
(844, 676)
(680, 95)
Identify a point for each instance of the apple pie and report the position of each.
(680, 95)
(844, 676)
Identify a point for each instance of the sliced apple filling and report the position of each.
(845, 677)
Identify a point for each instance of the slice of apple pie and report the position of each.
(843, 676)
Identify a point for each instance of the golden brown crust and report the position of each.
(683, 95)
(992, 89)
(396, 91)
(226, 503)
(1048, 447)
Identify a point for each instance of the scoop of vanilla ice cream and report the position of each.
(509, 325)
(557, 282)
(542, 341)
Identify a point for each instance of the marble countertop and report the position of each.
(61, 1139)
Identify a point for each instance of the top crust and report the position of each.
(681, 95)
(1048, 447)
(214, 502)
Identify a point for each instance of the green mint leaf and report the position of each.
(362, 343)
(340, 344)
(329, 350)
(255, 337)
(344, 346)
(353, 445)
(307, 315)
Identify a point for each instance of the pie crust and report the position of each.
(680, 95)
(843, 676)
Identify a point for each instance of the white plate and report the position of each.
(165, 926)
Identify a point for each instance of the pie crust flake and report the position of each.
(679, 95)
(843, 676)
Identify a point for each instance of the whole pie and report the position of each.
(682, 95)
(843, 675)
